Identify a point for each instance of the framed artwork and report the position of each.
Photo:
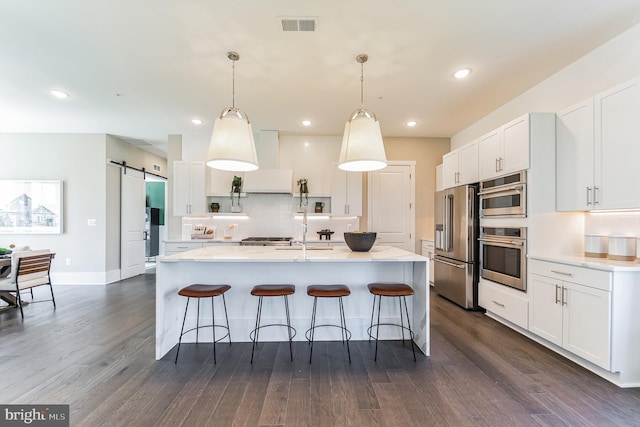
(31, 207)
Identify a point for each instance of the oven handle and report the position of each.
(517, 187)
(449, 263)
(502, 242)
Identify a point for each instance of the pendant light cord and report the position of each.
(362, 85)
(233, 85)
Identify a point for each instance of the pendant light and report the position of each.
(362, 146)
(232, 147)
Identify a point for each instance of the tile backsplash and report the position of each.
(274, 215)
(612, 223)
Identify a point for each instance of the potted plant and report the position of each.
(215, 207)
(236, 189)
(303, 188)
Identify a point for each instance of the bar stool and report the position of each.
(199, 292)
(399, 290)
(262, 291)
(328, 291)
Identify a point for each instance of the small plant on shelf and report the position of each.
(236, 189)
(303, 188)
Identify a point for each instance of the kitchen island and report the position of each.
(242, 267)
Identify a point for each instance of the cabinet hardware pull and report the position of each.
(557, 299)
(501, 159)
(595, 195)
(449, 263)
(497, 303)
(497, 167)
(561, 272)
(564, 293)
(588, 196)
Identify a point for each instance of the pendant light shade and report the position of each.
(362, 145)
(232, 147)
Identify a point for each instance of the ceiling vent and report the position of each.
(298, 24)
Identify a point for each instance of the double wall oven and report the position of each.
(503, 255)
(503, 241)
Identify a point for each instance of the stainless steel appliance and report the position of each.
(456, 245)
(503, 256)
(504, 197)
(266, 241)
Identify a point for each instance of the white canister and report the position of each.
(622, 248)
(596, 245)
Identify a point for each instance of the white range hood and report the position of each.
(269, 178)
(268, 181)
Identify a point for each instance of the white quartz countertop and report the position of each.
(291, 254)
(588, 262)
(204, 241)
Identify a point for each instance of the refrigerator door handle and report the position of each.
(450, 263)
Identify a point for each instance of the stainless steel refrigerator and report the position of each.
(456, 262)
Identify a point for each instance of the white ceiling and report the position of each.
(142, 69)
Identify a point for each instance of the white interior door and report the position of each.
(132, 223)
(391, 205)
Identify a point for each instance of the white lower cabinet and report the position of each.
(571, 307)
(171, 248)
(508, 303)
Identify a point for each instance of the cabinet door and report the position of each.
(489, 153)
(346, 197)
(617, 142)
(515, 146)
(181, 198)
(545, 308)
(450, 169)
(587, 323)
(468, 163)
(574, 158)
(197, 198)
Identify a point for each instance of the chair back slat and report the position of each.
(34, 264)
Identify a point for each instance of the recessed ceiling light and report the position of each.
(411, 123)
(59, 94)
(306, 122)
(462, 73)
(196, 121)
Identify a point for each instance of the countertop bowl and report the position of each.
(360, 241)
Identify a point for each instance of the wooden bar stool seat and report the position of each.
(200, 291)
(328, 291)
(272, 290)
(401, 291)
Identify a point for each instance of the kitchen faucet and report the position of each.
(304, 232)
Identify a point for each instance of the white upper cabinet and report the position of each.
(188, 188)
(597, 150)
(346, 197)
(617, 143)
(505, 149)
(574, 154)
(460, 166)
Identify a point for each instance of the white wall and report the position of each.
(79, 161)
(615, 62)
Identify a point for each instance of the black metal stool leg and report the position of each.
(343, 322)
(375, 359)
(286, 305)
(401, 321)
(313, 325)
(198, 321)
(213, 329)
(182, 329)
(224, 302)
(255, 331)
(409, 324)
(373, 310)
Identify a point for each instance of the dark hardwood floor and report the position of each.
(95, 352)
